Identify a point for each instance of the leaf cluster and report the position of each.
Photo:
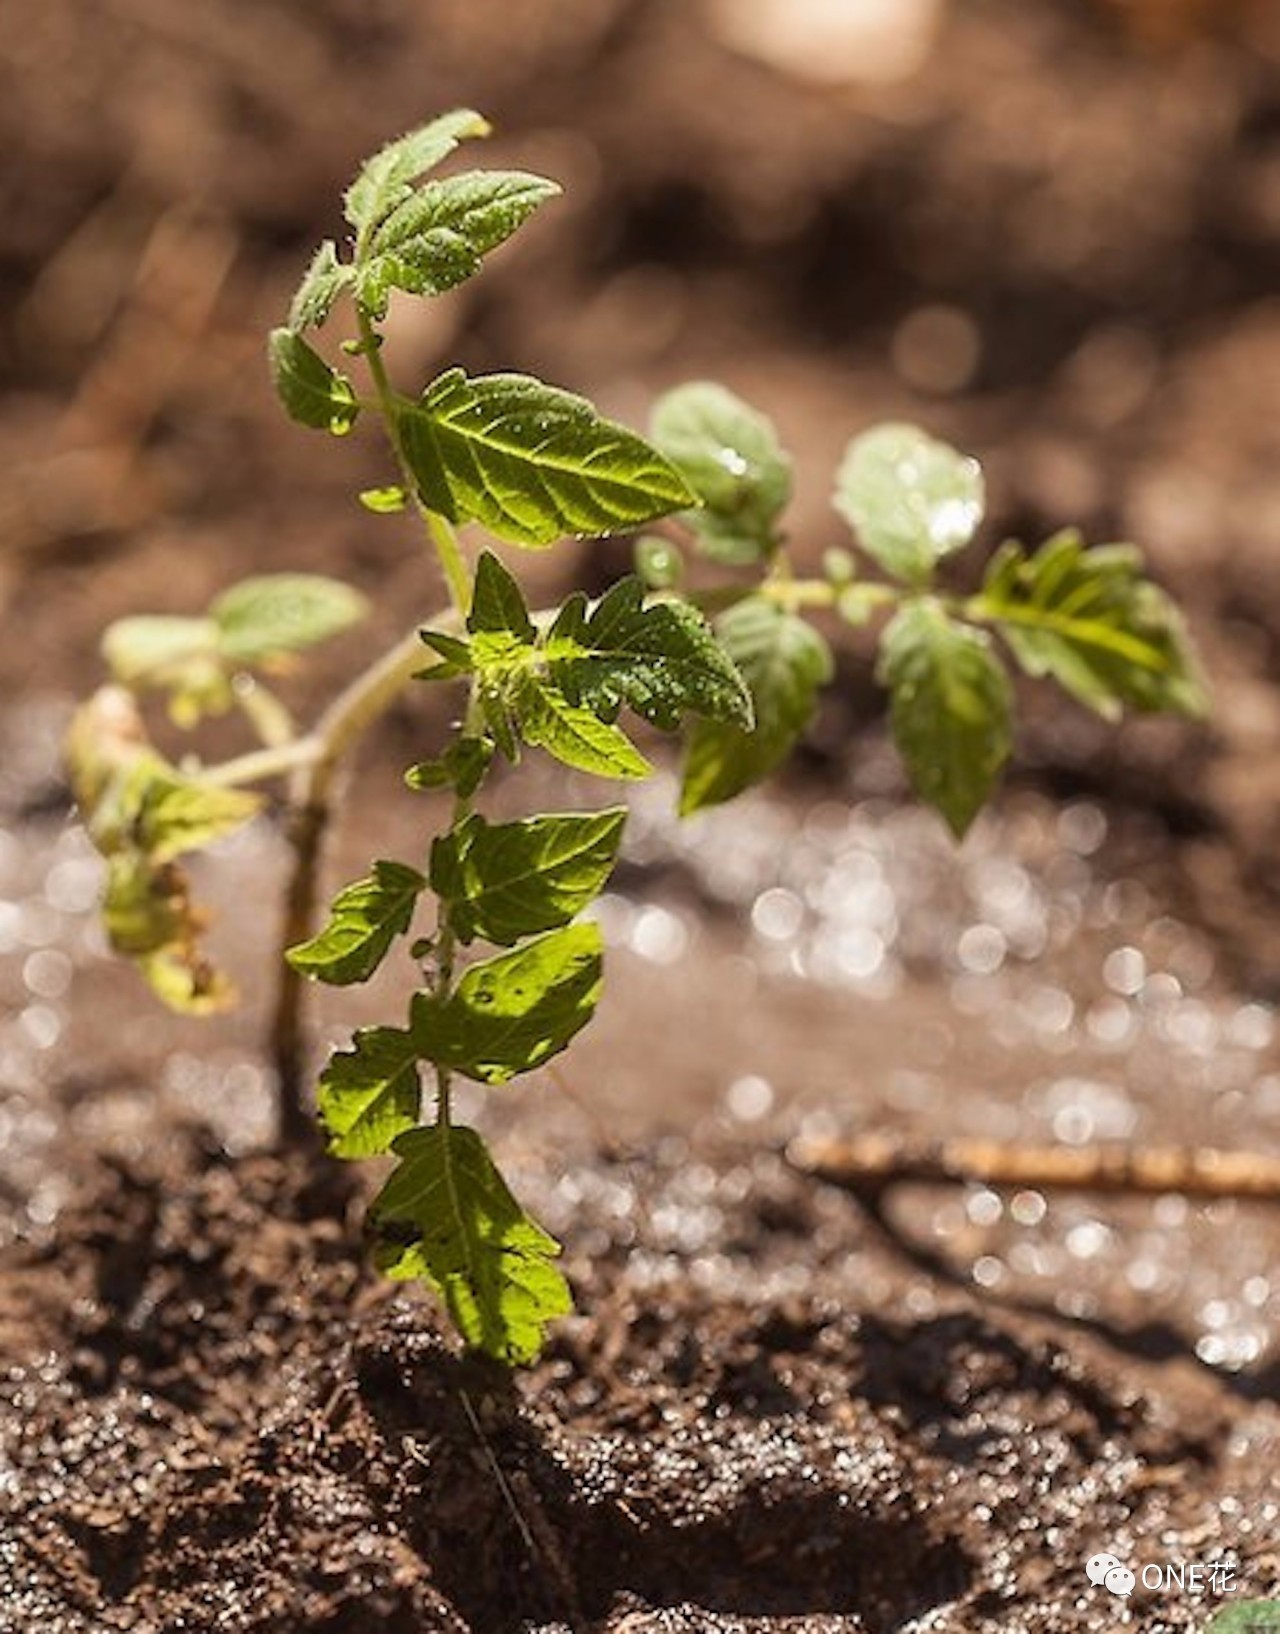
(716, 637)
(258, 624)
(1088, 619)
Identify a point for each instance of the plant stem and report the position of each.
(261, 764)
(447, 944)
(452, 563)
(345, 721)
(264, 711)
(439, 530)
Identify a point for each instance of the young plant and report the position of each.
(491, 913)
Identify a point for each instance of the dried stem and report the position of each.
(871, 1165)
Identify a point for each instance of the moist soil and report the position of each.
(769, 1413)
(225, 1423)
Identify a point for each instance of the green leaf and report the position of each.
(174, 655)
(911, 499)
(456, 656)
(366, 917)
(386, 179)
(322, 283)
(1089, 619)
(514, 879)
(177, 814)
(262, 618)
(1248, 1617)
(383, 501)
(730, 456)
(462, 767)
(661, 660)
(574, 735)
(531, 462)
(784, 662)
(143, 907)
(370, 1093)
(150, 650)
(512, 1013)
(435, 240)
(951, 709)
(659, 563)
(498, 605)
(447, 1215)
(313, 394)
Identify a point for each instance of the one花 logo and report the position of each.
(1111, 1573)
(1108, 1571)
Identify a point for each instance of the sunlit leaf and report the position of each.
(509, 880)
(498, 604)
(911, 499)
(512, 1013)
(437, 238)
(366, 917)
(730, 456)
(447, 1215)
(370, 1093)
(574, 735)
(323, 282)
(313, 394)
(532, 463)
(1092, 621)
(661, 660)
(387, 179)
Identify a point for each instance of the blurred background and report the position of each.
(1048, 230)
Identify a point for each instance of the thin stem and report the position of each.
(790, 594)
(452, 562)
(341, 726)
(447, 941)
(265, 712)
(261, 764)
(443, 539)
(878, 1162)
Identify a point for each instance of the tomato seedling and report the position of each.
(717, 636)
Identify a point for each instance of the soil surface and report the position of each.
(1049, 231)
(231, 1426)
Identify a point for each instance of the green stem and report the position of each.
(262, 764)
(452, 562)
(341, 726)
(792, 594)
(265, 712)
(447, 943)
(443, 539)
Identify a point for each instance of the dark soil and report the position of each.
(224, 1423)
